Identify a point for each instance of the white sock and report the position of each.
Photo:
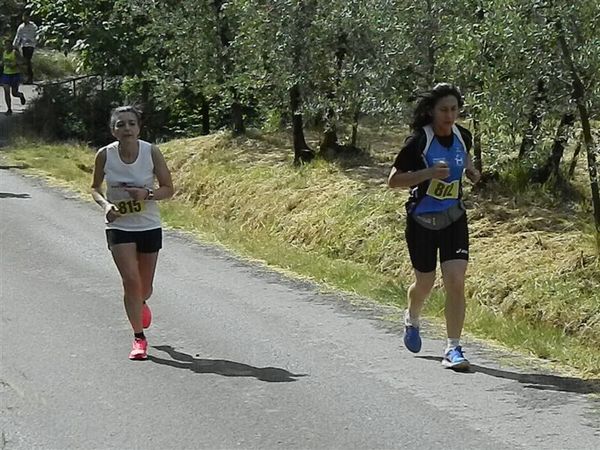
(411, 321)
(452, 343)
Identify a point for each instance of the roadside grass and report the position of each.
(53, 65)
(533, 283)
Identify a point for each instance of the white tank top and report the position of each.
(135, 215)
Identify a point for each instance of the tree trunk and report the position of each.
(431, 42)
(302, 152)
(145, 93)
(579, 95)
(535, 119)
(560, 141)
(575, 157)
(147, 110)
(552, 165)
(205, 111)
(237, 118)
(226, 66)
(354, 139)
(431, 59)
(477, 158)
(301, 22)
(485, 59)
(330, 138)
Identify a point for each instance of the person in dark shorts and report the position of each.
(432, 162)
(11, 77)
(130, 167)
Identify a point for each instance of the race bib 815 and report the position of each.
(130, 206)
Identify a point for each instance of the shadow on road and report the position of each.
(221, 367)
(14, 166)
(11, 195)
(536, 380)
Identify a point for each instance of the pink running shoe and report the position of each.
(146, 316)
(139, 349)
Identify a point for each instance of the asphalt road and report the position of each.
(241, 356)
(7, 124)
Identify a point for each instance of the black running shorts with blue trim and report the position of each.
(423, 244)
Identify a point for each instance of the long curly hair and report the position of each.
(422, 115)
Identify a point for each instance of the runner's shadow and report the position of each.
(222, 367)
(537, 380)
(11, 195)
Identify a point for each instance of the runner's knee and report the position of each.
(147, 293)
(132, 284)
(455, 284)
(424, 283)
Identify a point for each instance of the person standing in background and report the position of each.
(26, 40)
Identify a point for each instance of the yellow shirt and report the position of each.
(10, 62)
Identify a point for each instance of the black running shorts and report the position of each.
(149, 241)
(423, 244)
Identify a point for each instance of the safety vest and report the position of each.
(10, 62)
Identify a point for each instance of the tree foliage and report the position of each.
(267, 61)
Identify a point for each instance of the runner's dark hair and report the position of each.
(114, 114)
(427, 100)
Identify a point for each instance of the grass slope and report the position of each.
(534, 278)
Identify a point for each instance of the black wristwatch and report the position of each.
(150, 195)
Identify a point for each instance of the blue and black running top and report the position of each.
(424, 149)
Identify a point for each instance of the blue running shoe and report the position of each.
(412, 339)
(454, 359)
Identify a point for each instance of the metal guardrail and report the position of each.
(73, 81)
(64, 80)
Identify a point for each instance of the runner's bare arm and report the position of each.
(471, 172)
(163, 175)
(111, 212)
(398, 179)
(98, 178)
(17, 39)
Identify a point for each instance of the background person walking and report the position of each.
(26, 40)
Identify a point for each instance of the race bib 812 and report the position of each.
(443, 191)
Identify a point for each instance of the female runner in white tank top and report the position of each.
(133, 227)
